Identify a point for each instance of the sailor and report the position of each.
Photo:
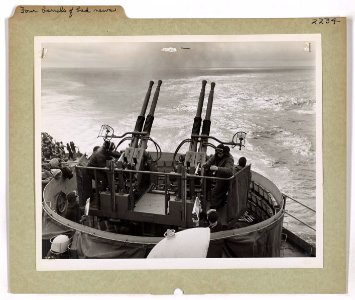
(46, 176)
(72, 147)
(242, 162)
(98, 160)
(221, 164)
(46, 153)
(213, 219)
(95, 149)
(215, 249)
(67, 173)
(55, 163)
(70, 152)
(73, 212)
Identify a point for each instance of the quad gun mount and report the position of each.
(185, 191)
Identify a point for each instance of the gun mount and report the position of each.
(194, 158)
(140, 136)
(182, 186)
(191, 162)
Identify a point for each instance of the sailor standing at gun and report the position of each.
(220, 165)
(98, 159)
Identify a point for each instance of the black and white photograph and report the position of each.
(178, 151)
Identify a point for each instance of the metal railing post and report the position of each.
(179, 183)
(131, 206)
(97, 196)
(204, 192)
(112, 178)
(183, 195)
(166, 193)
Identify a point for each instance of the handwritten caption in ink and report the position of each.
(72, 11)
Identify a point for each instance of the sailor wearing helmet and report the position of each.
(98, 160)
(72, 212)
(221, 164)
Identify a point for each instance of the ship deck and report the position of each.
(152, 203)
(288, 249)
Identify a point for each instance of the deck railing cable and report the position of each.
(300, 203)
(300, 221)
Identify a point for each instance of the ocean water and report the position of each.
(275, 107)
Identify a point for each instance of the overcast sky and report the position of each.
(176, 55)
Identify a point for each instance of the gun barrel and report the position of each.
(155, 99)
(150, 117)
(141, 117)
(201, 99)
(197, 120)
(210, 102)
(146, 99)
(206, 126)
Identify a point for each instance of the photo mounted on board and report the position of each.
(178, 147)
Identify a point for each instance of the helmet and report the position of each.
(54, 163)
(56, 173)
(222, 149)
(71, 197)
(242, 161)
(60, 244)
(212, 215)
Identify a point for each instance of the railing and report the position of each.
(296, 218)
(156, 173)
(300, 203)
(299, 236)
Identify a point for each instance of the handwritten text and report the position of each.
(69, 11)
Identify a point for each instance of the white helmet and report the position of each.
(56, 173)
(60, 244)
(54, 163)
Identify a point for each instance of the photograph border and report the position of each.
(180, 263)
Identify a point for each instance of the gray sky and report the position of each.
(163, 56)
